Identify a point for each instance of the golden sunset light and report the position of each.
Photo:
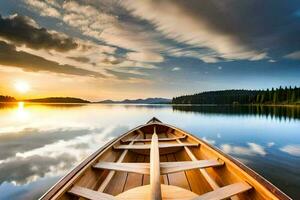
(22, 86)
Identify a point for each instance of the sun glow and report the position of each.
(22, 86)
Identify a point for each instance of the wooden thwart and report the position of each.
(159, 139)
(165, 167)
(225, 192)
(140, 168)
(112, 173)
(148, 146)
(90, 194)
(172, 167)
(204, 173)
(220, 193)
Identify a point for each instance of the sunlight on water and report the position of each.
(21, 113)
(41, 143)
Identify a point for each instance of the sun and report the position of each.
(22, 86)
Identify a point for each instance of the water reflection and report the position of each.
(280, 112)
(293, 150)
(39, 143)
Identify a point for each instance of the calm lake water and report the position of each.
(40, 143)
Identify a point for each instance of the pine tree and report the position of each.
(275, 97)
(293, 96)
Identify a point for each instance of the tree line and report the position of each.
(7, 99)
(287, 95)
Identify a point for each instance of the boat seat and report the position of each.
(165, 167)
(90, 194)
(149, 139)
(169, 192)
(148, 146)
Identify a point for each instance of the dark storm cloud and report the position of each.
(9, 56)
(23, 31)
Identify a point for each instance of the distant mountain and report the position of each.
(140, 101)
(58, 100)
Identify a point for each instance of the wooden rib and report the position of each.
(148, 146)
(141, 168)
(204, 173)
(155, 168)
(225, 192)
(90, 194)
(172, 167)
(112, 173)
(159, 139)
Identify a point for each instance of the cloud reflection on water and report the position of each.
(293, 149)
(53, 159)
(251, 150)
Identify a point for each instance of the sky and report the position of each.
(117, 49)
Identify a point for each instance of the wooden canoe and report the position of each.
(159, 161)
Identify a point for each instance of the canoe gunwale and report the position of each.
(73, 172)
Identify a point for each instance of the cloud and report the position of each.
(54, 158)
(145, 57)
(80, 59)
(293, 150)
(106, 27)
(48, 8)
(270, 144)
(24, 31)
(294, 56)
(9, 56)
(29, 139)
(196, 26)
(176, 69)
(209, 140)
(125, 75)
(251, 150)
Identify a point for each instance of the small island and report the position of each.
(57, 100)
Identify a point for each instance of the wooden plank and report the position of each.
(171, 167)
(112, 173)
(225, 192)
(211, 182)
(159, 139)
(134, 179)
(204, 173)
(197, 182)
(165, 167)
(178, 179)
(90, 194)
(164, 178)
(140, 168)
(148, 146)
(146, 178)
(155, 193)
(169, 192)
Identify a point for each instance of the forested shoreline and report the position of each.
(7, 99)
(278, 96)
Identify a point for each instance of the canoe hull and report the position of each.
(195, 180)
